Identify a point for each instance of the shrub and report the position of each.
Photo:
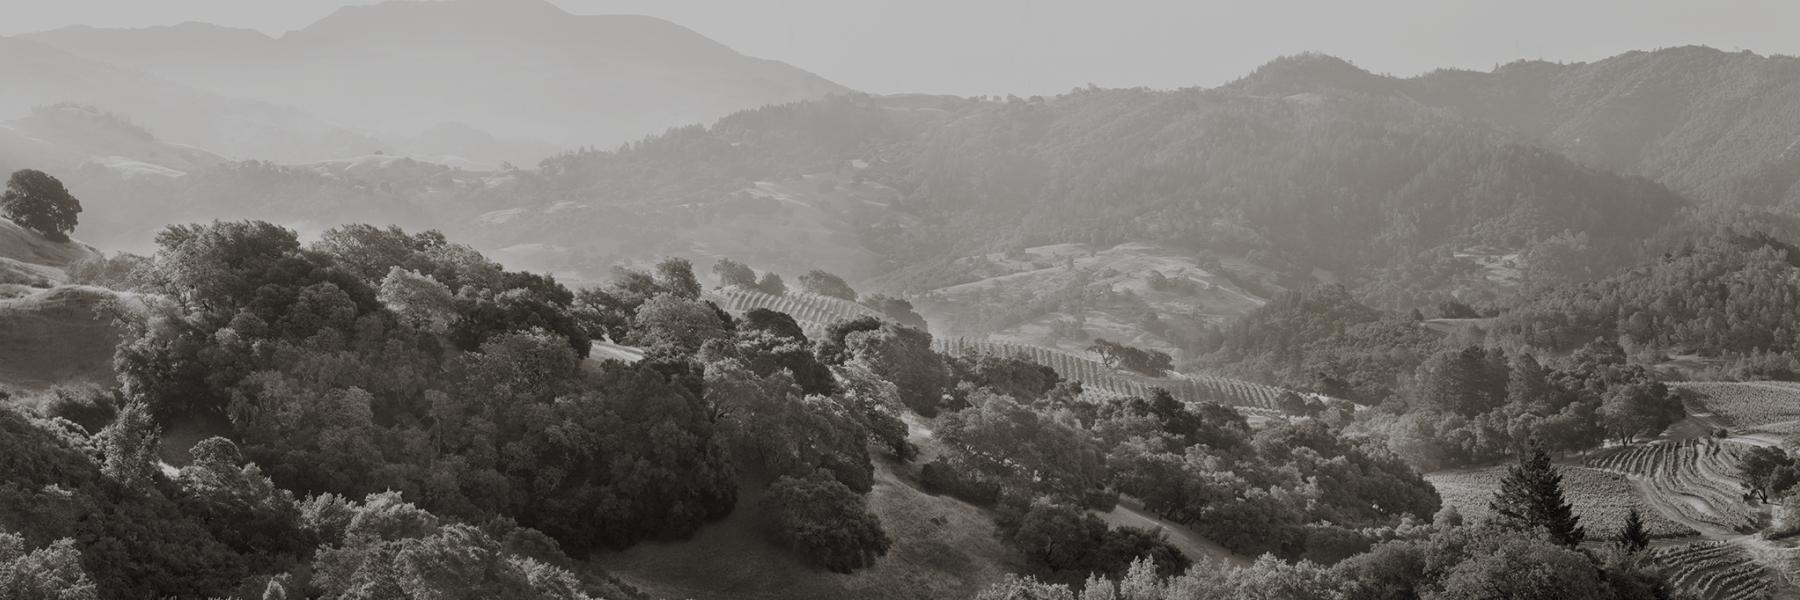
(91, 407)
(940, 477)
(825, 522)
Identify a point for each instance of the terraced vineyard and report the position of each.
(1715, 570)
(1697, 478)
(1105, 380)
(1600, 498)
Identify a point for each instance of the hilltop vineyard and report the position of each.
(1099, 378)
(813, 311)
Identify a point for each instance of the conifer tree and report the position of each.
(1633, 537)
(1531, 496)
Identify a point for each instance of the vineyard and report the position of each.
(1715, 570)
(815, 312)
(1600, 498)
(1698, 478)
(1104, 380)
(1752, 407)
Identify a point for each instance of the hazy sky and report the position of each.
(1047, 46)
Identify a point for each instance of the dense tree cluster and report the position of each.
(1068, 540)
(1324, 340)
(1474, 405)
(378, 360)
(827, 284)
(1530, 549)
(1028, 447)
(106, 522)
(825, 521)
(1731, 293)
(1769, 473)
(1443, 563)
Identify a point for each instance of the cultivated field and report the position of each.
(815, 312)
(1768, 410)
(1108, 381)
(1695, 479)
(1716, 570)
(1600, 498)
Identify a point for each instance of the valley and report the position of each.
(496, 299)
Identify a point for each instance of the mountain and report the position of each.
(40, 75)
(513, 68)
(66, 136)
(1244, 193)
(1718, 126)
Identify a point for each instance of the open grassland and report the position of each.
(1697, 479)
(56, 336)
(1600, 498)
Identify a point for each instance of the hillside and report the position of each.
(1063, 296)
(1717, 125)
(944, 548)
(513, 68)
(65, 137)
(58, 336)
(26, 256)
(41, 75)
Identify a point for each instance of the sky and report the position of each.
(1029, 47)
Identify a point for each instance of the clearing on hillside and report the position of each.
(57, 336)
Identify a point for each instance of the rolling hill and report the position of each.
(521, 69)
(41, 75)
(49, 335)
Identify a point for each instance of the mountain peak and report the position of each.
(414, 14)
(1311, 72)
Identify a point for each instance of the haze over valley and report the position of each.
(502, 298)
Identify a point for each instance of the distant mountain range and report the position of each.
(1411, 191)
(1719, 126)
(508, 79)
(37, 74)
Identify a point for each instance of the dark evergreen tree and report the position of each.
(1633, 537)
(1531, 496)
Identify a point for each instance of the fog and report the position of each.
(1030, 47)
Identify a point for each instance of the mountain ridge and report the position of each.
(516, 69)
